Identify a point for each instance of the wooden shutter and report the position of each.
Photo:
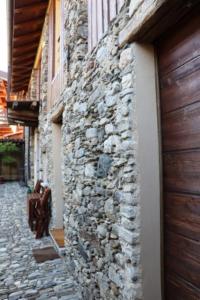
(100, 13)
(62, 54)
(100, 19)
(94, 23)
(50, 53)
(57, 27)
(113, 9)
(105, 14)
(90, 25)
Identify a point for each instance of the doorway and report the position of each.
(57, 173)
(179, 76)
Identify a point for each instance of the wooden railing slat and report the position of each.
(100, 28)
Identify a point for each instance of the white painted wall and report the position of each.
(149, 166)
(57, 162)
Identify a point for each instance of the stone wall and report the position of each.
(99, 142)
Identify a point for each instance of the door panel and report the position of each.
(179, 76)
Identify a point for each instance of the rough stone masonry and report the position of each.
(99, 146)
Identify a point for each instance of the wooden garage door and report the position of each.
(179, 73)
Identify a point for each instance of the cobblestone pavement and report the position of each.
(20, 276)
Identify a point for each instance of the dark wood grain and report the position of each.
(180, 47)
(178, 289)
(181, 128)
(179, 75)
(182, 171)
(188, 205)
(181, 86)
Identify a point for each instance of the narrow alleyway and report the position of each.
(20, 276)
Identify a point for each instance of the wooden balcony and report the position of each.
(23, 112)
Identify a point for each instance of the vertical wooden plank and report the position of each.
(89, 25)
(50, 54)
(113, 9)
(57, 31)
(120, 3)
(62, 55)
(94, 23)
(105, 15)
(100, 18)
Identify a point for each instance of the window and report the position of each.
(55, 48)
(56, 37)
(100, 14)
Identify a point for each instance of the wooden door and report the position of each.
(179, 74)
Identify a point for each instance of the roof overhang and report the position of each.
(26, 19)
(23, 112)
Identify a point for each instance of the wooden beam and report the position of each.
(33, 36)
(24, 58)
(30, 8)
(156, 20)
(21, 71)
(25, 48)
(20, 86)
(27, 24)
(19, 89)
(24, 114)
(20, 77)
(23, 66)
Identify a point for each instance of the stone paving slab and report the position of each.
(20, 276)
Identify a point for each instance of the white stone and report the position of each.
(111, 142)
(101, 108)
(115, 275)
(124, 125)
(80, 153)
(103, 121)
(89, 170)
(102, 54)
(109, 207)
(102, 230)
(109, 128)
(127, 145)
(91, 133)
(128, 211)
(129, 224)
(126, 58)
(111, 100)
(128, 236)
(127, 81)
(77, 143)
(80, 107)
(116, 88)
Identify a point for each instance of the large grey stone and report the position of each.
(127, 81)
(91, 133)
(102, 230)
(109, 128)
(109, 207)
(103, 166)
(128, 211)
(112, 143)
(128, 236)
(102, 54)
(126, 58)
(115, 275)
(89, 170)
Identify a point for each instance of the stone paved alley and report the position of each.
(20, 276)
